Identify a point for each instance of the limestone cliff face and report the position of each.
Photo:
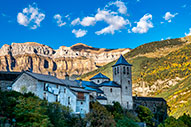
(75, 60)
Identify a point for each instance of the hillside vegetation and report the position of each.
(161, 73)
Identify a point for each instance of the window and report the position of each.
(44, 96)
(127, 105)
(68, 100)
(111, 90)
(129, 82)
(126, 87)
(123, 70)
(117, 69)
(81, 103)
(64, 90)
(56, 98)
(97, 81)
(127, 70)
(45, 86)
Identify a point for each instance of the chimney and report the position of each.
(66, 76)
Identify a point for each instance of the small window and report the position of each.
(124, 70)
(97, 81)
(44, 96)
(129, 82)
(81, 103)
(64, 90)
(127, 105)
(68, 100)
(111, 90)
(127, 70)
(56, 98)
(126, 87)
(117, 69)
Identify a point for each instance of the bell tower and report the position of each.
(122, 76)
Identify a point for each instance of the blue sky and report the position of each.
(98, 23)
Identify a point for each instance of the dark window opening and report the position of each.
(129, 82)
(56, 98)
(127, 70)
(97, 81)
(68, 100)
(126, 87)
(44, 97)
(117, 69)
(123, 70)
(81, 103)
(111, 90)
(64, 90)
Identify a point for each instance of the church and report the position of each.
(78, 94)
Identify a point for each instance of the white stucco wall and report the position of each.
(82, 106)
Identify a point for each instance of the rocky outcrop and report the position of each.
(75, 60)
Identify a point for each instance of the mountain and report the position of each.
(162, 69)
(75, 60)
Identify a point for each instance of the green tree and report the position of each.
(172, 122)
(186, 119)
(100, 117)
(29, 112)
(126, 122)
(145, 115)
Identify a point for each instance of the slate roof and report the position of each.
(87, 83)
(149, 98)
(70, 83)
(121, 61)
(46, 78)
(110, 84)
(94, 89)
(98, 76)
(101, 98)
(9, 76)
(80, 90)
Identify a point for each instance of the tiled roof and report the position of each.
(9, 76)
(70, 83)
(93, 89)
(110, 84)
(98, 76)
(122, 61)
(149, 98)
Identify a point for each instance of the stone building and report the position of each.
(7, 78)
(52, 89)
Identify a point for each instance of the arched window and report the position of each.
(111, 90)
(127, 70)
(97, 81)
(117, 69)
(123, 70)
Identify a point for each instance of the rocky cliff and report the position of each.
(75, 60)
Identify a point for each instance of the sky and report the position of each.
(98, 23)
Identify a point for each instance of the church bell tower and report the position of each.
(122, 76)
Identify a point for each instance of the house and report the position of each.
(52, 89)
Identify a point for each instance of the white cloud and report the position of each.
(188, 34)
(76, 21)
(168, 16)
(121, 5)
(144, 24)
(79, 33)
(59, 21)
(88, 21)
(184, 6)
(30, 17)
(115, 22)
